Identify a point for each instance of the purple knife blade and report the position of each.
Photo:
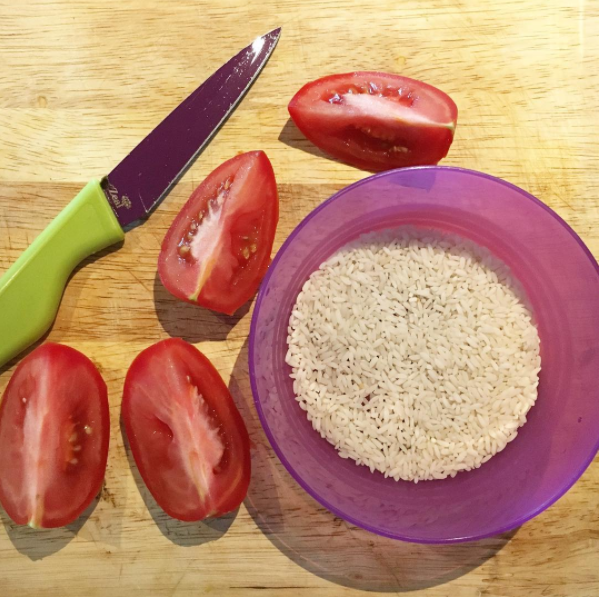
(149, 172)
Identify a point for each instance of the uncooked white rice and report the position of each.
(413, 353)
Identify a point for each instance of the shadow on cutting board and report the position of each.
(37, 544)
(328, 546)
(192, 323)
(184, 534)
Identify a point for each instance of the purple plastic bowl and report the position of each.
(561, 278)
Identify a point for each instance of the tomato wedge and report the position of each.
(376, 121)
(54, 433)
(187, 437)
(217, 249)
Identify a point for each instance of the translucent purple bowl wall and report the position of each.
(562, 281)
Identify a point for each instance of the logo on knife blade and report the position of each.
(124, 202)
(113, 195)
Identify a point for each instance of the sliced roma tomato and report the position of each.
(54, 432)
(188, 439)
(376, 121)
(217, 249)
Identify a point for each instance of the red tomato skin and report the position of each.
(71, 491)
(157, 468)
(224, 291)
(345, 139)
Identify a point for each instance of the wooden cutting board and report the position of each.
(82, 82)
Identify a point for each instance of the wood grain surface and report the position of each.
(81, 82)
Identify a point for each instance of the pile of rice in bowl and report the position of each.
(414, 353)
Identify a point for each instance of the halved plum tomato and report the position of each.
(187, 437)
(217, 249)
(54, 433)
(376, 121)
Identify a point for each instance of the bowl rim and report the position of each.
(252, 347)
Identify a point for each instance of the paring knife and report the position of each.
(31, 289)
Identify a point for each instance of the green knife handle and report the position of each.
(31, 289)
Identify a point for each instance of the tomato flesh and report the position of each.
(54, 434)
(376, 121)
(217, 249)
(187, 437)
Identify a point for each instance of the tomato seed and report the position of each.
(253, 247)
(88, 430)
(245, 253)
(184, 250)
(73, 438)
(73, 461)
(372, 88)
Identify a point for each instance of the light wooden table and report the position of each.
(82, 82)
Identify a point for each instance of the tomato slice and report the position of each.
(54, 433)
(376, 121)
(217, 249)
(187, 437)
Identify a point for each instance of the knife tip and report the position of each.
(274, 33)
